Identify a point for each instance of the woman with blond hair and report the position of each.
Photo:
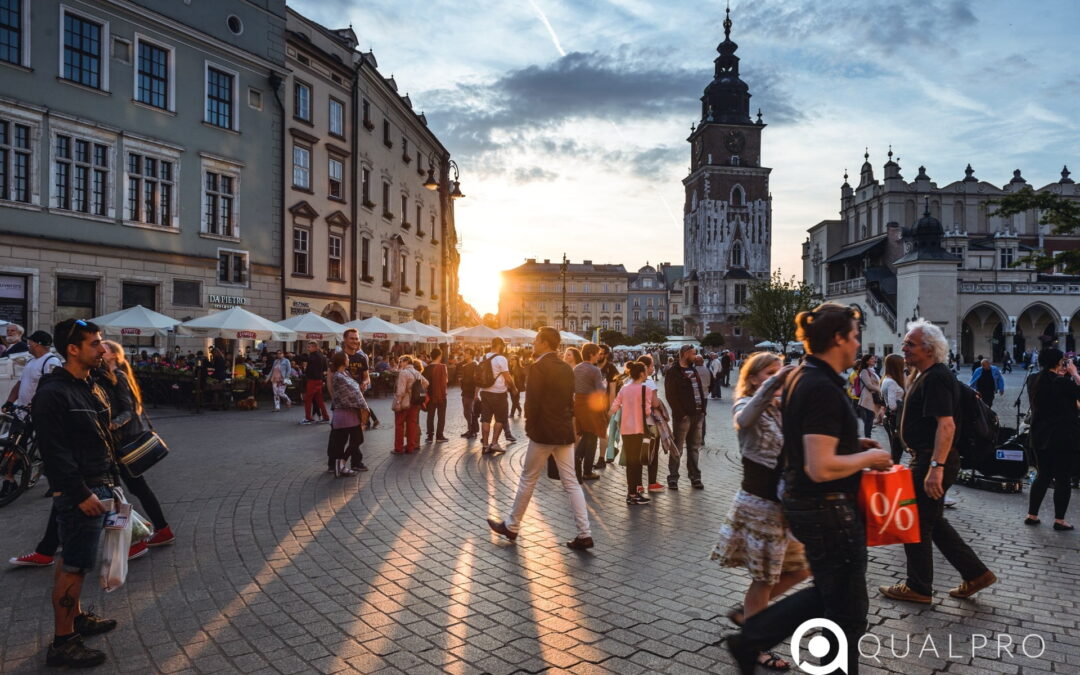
(755, 534)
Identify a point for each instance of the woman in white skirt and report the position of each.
(754, 534)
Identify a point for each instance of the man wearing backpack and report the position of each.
(494, 381)
(928, 426)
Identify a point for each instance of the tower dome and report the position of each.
(727, 98)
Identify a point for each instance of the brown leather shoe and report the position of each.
(580, 543)
(970, 588)
(499, 527)
(901, 591)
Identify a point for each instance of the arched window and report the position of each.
(736, 254)
(737, 196)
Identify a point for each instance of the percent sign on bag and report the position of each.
(897, 512)
(889, 507)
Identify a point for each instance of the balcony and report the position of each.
(847, 286)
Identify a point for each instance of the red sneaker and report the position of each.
(34, 559)
(161, 537)
(656, 487)
(137, 550)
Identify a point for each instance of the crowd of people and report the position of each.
(795, 516)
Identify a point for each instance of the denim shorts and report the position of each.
(80, 534)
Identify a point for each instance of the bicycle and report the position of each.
(20, 462)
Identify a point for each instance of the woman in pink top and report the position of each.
(636, 400)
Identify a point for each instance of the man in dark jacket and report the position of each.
(685, 394)
(549, 424)
(71, 416)
(437, 377)
(314, 377)
(469, 404)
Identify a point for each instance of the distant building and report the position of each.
(647, 299)
(908, 249)
(727, 223)
(532, 295)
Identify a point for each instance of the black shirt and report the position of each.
(817, 404)
(1053, 412)
(315, 369)
(358, 367)
(936, 396)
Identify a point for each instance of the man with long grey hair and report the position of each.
(928, 429)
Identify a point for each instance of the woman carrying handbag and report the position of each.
(346, 433)
(637, 402)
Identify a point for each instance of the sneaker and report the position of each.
(74, 654)
(360, 467)
(634, 500)
(949, 502)
(495, 447)
(901, 591)
(970, 588)
(304, 423)
(441, 439)
(88, 624)
(137, 550)
(672, 486)
(161, 537)
(580, 543)
(656, 487)
(511, 439)
(697, 485)
(34, 559)
(324, 421)
(429, 438)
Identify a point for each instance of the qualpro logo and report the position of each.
(819, 646)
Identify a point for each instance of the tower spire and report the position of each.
(727, 22)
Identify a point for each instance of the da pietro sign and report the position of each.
(226, 301)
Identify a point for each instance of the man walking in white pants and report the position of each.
(549, 424)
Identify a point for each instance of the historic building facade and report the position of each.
(119, 187)
(903, 249)
(654, 294)
(532, 295)
(727, 222)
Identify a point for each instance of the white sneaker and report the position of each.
(949, 502)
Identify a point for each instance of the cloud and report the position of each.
(533, 175)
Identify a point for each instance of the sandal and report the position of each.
(736, 616)
(1031, 521)
(773, 662)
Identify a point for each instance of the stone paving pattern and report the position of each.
(279, 567)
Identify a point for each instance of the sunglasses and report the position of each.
(71, 331)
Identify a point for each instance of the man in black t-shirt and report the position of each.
(928, 426)
(685, 393)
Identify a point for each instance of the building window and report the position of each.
(133, 294)
(417, 280)
(232, 267)
(740, 294)
(365, 187)
(254, 98)
(152, 75)
(386, 266)
(15, 162)
(220, 96)
(1007, 258)
(637, 302)
(404, 211)
(365, 106)
(336, 171)
(187, 293)
(337, 117)
(736, 255)
(674, 309)
(649, 315)
(301, 167)
(431, 278)
(83, 40)
(604, 324)
(75, 299)
(386, 200)
(618, 325)
(419, 226)
(637, 315)
(82, 175)
(386, 134)
(585, 307)
(302, 102)
(219, 214)
(150, 190)
(365, 259)
(403, 274)
(736, 331)
(660, 315)
(333, 270)
(301, 250)
(11, 31)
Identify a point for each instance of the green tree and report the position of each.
(615, 338)
(1061, 214)
(650, 331)
(713, 340)
(773, 304)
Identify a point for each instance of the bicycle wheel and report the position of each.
(15, 470)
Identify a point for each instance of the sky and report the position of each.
(569, 118)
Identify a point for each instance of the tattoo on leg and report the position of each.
(68, 600)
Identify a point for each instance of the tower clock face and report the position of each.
(734, 141)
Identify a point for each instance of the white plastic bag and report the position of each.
(114, 551)
(140, 527)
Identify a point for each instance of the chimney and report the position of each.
(530, 261)
(547, 261)
(587, 262)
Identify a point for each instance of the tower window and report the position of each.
(736, 255)
(737, 197)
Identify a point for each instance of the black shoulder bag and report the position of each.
(143, 451)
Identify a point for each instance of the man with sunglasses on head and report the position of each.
(72, 417)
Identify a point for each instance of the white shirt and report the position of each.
(31, 375)
(498, 365)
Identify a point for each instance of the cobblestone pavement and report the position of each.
(280, 567)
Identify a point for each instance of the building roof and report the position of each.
(531, 266)
(738, 273)
(857, 250)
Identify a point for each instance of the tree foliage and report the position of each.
(713, 340)
(615, 338)
(650, 331)
(772, 306)
(490, 320)
(1061, 214)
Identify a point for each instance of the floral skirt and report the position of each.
(755, 535)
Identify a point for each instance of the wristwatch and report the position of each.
(935, 464)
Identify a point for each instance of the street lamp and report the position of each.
(562, 272)
(446, 196)
(432, 184)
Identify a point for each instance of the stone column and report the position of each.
(1009, 344)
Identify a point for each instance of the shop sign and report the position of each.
(130, 331)
(12, 287)
(226, 301)
(245, 335)
(299, 307)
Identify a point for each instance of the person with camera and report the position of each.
(824, 458)
(1054, 395)
(638, 403)
(928, 430)
(72, 417)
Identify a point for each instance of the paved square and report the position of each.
(280, 567)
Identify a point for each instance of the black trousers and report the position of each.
(936, 531)
(345, 444)
(585, 454)
(832, 530)
(439, 409)
(1055, 464)
(471, 408)
(631, 446)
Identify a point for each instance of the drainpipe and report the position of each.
(275, 82)
(354, 212)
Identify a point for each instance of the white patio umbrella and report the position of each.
(426, 333)
(571, 338)
(236, 323)
(479, 333)
(137, 320)
(311, 326)
(512, 335)
(374, 328)
(766, 344)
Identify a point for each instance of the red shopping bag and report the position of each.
(887, 500)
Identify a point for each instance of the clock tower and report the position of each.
(727, 217)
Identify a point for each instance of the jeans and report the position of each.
(935, 530)
(313, 396)
(585, 454)
(78, 533)
(433, 408)
(689, 432)
(1056, 465)
(345, 443)
(407, 429)
(867, 417)
(536, 457)
(471, 409)
(515, 402)
(833, 532)
(631, 446)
